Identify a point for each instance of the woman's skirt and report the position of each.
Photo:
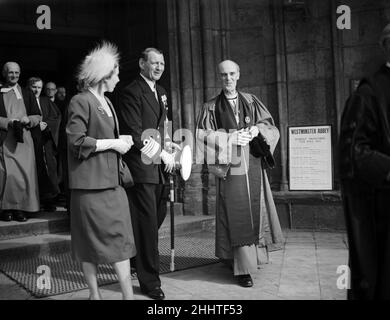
(101, 227)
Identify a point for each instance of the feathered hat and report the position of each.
(98, 64)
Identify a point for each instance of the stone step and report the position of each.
(50, 222)
(186, 224)
(39, 223)
(177, 208)
(59, 242)
(34, 246)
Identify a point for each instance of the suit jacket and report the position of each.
(138, 112)
(87, 122)
(52, 116)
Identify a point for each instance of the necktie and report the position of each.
(234, 105)
(155, 92)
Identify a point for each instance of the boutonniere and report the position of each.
(100, 109)
(164, 100)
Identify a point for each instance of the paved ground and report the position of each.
(306, 270)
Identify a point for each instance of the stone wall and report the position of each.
(320, 63)
(294, 58)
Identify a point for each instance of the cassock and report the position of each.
(364, 157)
(246, 219)
(46, 150)
(62, 151)
(18, 175)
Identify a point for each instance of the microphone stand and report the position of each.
(172, 211)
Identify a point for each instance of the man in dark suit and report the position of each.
(46, 151)
(62, 102)
(142, 112)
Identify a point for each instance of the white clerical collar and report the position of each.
(388, 64)
(152, 84)
(15, 88)
(231, 98)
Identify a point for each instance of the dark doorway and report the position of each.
(76, 26)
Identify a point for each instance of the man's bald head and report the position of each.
(228, 63)
(11, 73)
(229, 72)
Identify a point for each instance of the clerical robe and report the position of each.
(364, 158)
(46, 150)
(18, 176)
(246, 216)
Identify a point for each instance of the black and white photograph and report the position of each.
(194, 150)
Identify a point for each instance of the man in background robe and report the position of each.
(364, 157)
(246, 217)
(46, 147)
(19, 122)
(61, 99)
(62, 102)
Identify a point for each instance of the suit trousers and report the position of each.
(148, 207)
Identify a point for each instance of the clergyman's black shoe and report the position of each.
(20, 216)
(245, 280)
(7, 216)
(156, 293)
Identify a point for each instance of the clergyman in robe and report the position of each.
(247, 224)
(19, 122)
(46, 147)
(364, 160)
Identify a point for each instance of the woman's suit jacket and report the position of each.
(87, 122)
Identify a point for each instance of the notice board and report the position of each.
(310, 158)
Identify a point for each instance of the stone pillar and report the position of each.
(281, 86)
(338, 87)
(198, 41)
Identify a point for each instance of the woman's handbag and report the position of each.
(126, 179)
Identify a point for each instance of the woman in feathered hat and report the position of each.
(101, 228)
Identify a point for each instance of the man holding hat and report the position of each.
(364, 151)
(142, 112)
